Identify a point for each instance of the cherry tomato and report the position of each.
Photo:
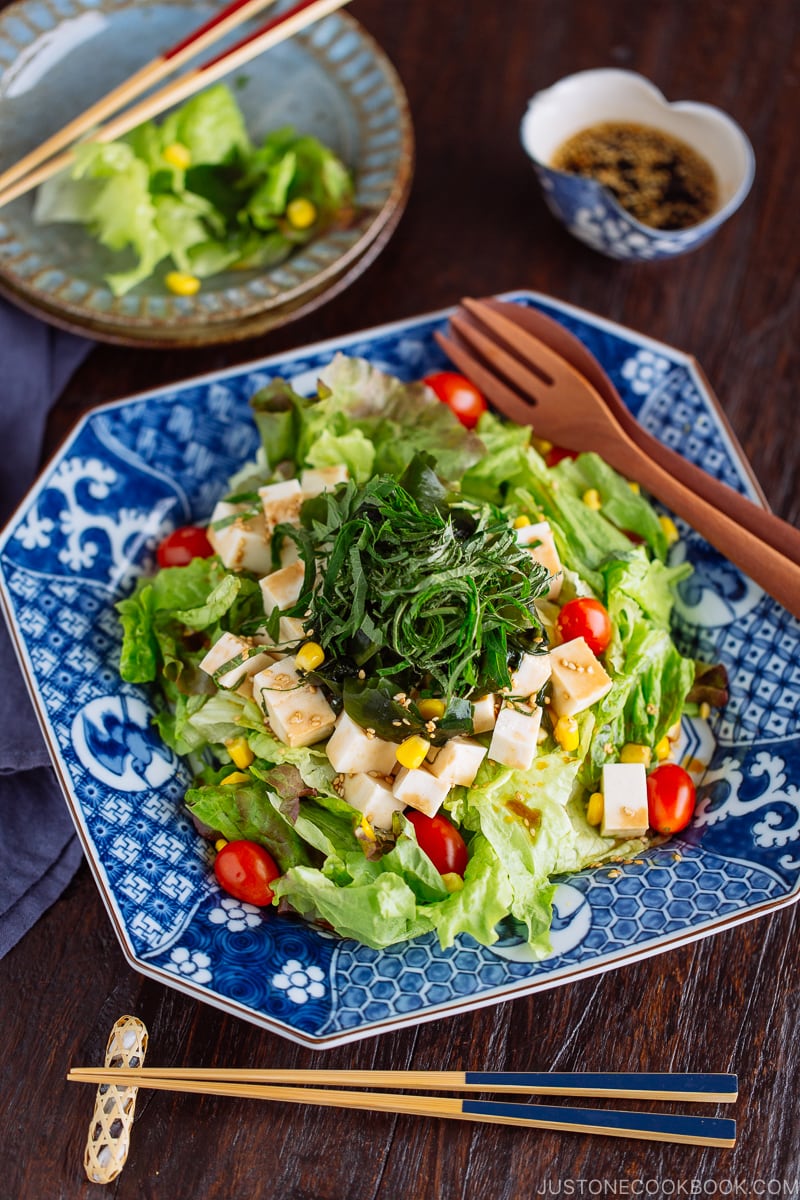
(461, 397)
(182, 545)
(441, 841)
(245, 870)
(671, 798)
(586, 618)
(557, 453)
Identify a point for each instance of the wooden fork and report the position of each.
(532, 385)
(759, 520)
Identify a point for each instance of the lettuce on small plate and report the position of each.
(138, 467)
(330, 82)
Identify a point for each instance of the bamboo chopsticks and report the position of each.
(27, 174)
(279, 1086)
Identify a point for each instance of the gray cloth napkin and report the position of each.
(39, 850)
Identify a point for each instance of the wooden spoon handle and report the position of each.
(760, 521)
(778, 575)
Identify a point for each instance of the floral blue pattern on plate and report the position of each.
(137, 467)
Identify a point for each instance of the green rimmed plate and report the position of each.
(58, 56)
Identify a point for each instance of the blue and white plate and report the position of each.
(137, 467)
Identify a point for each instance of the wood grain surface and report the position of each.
(476, 224)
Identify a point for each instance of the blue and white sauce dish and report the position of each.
(588, 209)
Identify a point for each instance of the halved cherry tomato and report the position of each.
(671, 798)
(461, 397)
(182, 545)
(586, 618)
(441, 841)
(556, 454)
(245, 870)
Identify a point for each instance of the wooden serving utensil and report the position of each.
(759, 520)
(532, 385)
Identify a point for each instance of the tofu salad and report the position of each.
(418, 669)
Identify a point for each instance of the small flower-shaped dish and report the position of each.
(586, 207)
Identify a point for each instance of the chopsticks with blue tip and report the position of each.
(706, 1087)
(277, 30)
(648, 1126)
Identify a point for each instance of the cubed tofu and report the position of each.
(515, 736)
(352, 750)
(288, 552)
(539, 540)
(531, 675)
(372, 797)
(419, 788)
(290, 631)
(624, 800)
(484, 714)
(577, 679)
(315, 480)
(242, 545)
(281, 589)
(458, 761)
(281, 503)
(241, 657)
(298, 713)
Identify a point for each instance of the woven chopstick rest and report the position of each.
(110, 1130)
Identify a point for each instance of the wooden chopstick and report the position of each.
(279, 29)
(654, 1127)
(689, 1086)
(205, 36)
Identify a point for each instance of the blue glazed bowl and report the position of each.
(588, 210)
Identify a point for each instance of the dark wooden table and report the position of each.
(475, 224)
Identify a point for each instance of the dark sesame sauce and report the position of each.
(657, 178)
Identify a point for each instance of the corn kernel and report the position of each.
(632, 752)
(670, 530)
(594, 809)
(566, 733)
(663, 749)
(178, 155)
(521, 521)
(240, 752)
(301, 213)
(431, 709)
(411, 753)
(365, 832)
(181, 283)
(452, 881)
(220, 844)
(541, 446)
(591, 498)
(235, 777)
(705, 710)
(309, 657)
(634, 486)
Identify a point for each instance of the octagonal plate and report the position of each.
(90, 525)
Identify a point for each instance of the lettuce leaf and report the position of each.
(247, 811)
(225, 207)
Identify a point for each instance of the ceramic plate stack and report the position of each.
(332, 81)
